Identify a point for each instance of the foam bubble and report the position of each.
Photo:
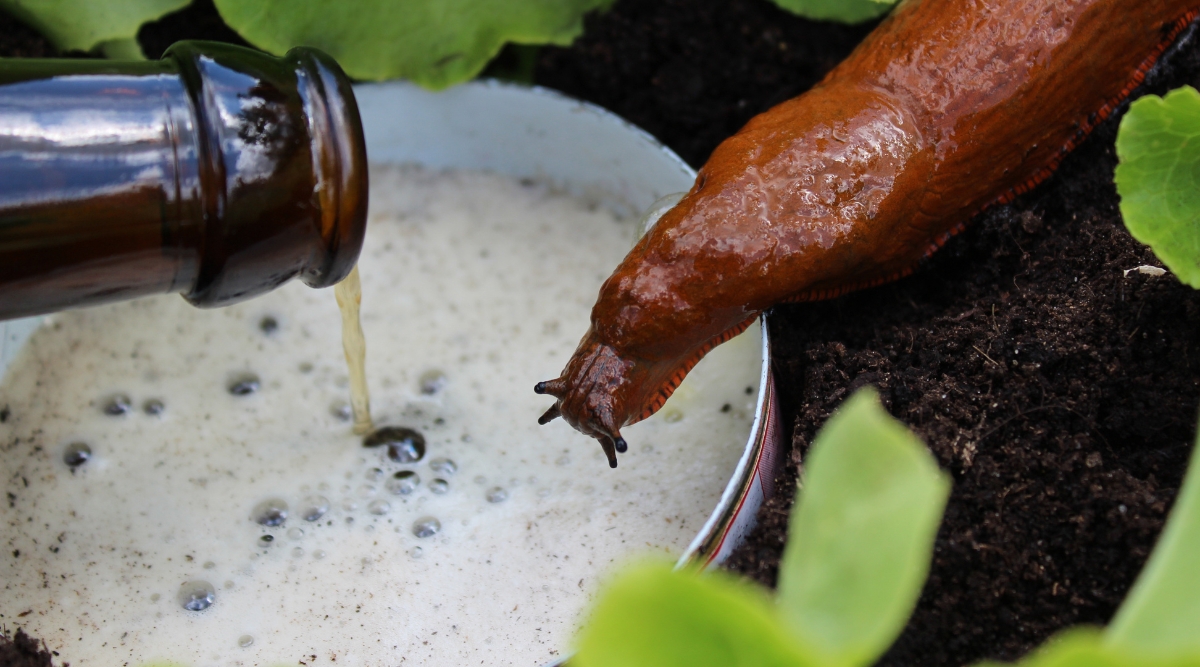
(270, 512)
(426, 527)
(196, 595)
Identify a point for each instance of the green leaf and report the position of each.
(861, 535)
(1161, 614)
(1086, 647)
(84, 24)
(1158, 178)
(436, 43)
(842, 11)
(653, 617)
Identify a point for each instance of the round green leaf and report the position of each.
(84, 24)
(435, 43)
(842, 11)
(1158, 178)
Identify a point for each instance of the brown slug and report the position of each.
(947, 107)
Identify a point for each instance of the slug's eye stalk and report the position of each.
(610, 440)
(549, 415)
(555, 388)
(610, 449)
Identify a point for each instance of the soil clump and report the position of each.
(21, 650)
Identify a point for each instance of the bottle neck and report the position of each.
(282, 165)
(218, 172)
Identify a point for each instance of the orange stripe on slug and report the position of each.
(1085, 128)
(665, 391)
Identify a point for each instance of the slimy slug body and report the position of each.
(947, 107)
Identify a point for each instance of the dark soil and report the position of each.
(18, 40)
(21, 650)
(693, 72)
(1060, 393)
(198, 20)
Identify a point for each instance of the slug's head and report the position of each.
(599, 392)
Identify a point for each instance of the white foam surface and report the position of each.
(476, 276)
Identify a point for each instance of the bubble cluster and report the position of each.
(196, 595)
(403, 483)
(426, 527)
(270, 512)
(356, 501)
(77, 454)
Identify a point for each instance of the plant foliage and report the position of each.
(842, 11)
(862, 534)
(652, 616)
(1088, 647)
(1158, 178)
(435, 43)
(861, 539)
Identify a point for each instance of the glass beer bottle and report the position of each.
(217, 172)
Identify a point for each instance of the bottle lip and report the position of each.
(339, 156)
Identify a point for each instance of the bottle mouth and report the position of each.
(339, 154)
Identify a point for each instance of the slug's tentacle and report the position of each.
(555, 388)
(610, 449)
(549, 415)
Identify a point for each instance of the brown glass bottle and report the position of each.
(218, 172)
